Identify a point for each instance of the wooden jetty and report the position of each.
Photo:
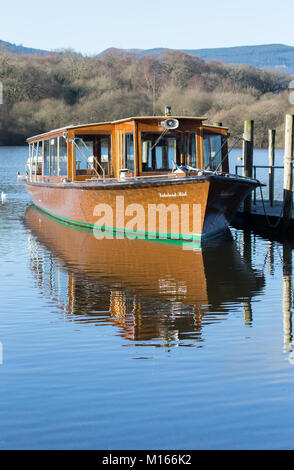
(265, 217)
(268, 215)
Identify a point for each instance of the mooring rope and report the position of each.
(266, 215)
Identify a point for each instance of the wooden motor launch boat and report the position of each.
(160, 176)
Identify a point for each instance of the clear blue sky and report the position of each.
(92, 26)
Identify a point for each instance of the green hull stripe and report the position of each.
(149, 235)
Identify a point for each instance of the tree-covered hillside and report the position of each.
(42, 92)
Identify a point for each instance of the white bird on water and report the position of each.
(3, 197)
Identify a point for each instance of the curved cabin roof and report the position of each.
(59, 131)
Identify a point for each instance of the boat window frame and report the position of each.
(97, 139)
(170, 136)
(35, 160)
(61, 138)
(183, 149)
(129, 136)
(52, 157)
(207, 136)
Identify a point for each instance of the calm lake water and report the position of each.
(133, 344)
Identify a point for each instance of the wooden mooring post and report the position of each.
(287, 295)
(271, 159)
(247, 256)
(288, 170)
(248, 144)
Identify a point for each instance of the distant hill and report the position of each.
(274, 56)
(20, 49)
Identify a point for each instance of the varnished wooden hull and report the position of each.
(203, 206)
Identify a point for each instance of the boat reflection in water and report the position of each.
(155, 292)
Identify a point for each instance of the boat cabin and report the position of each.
(132, 147)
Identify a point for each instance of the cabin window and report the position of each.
(39, 152)
(50, 157)
(104, 150)
(93, 152)
(212, 153)
(129, 151)
(84, 155)
(161, 156)
(105, 154)
(189, 151)
(102, 146)
(193, 150)
(62, 157)
(53, 155)
(35, 162)
(46, 158)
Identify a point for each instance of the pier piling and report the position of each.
(288, 170)
(248, 144)
(287, 295)
(271, 158)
